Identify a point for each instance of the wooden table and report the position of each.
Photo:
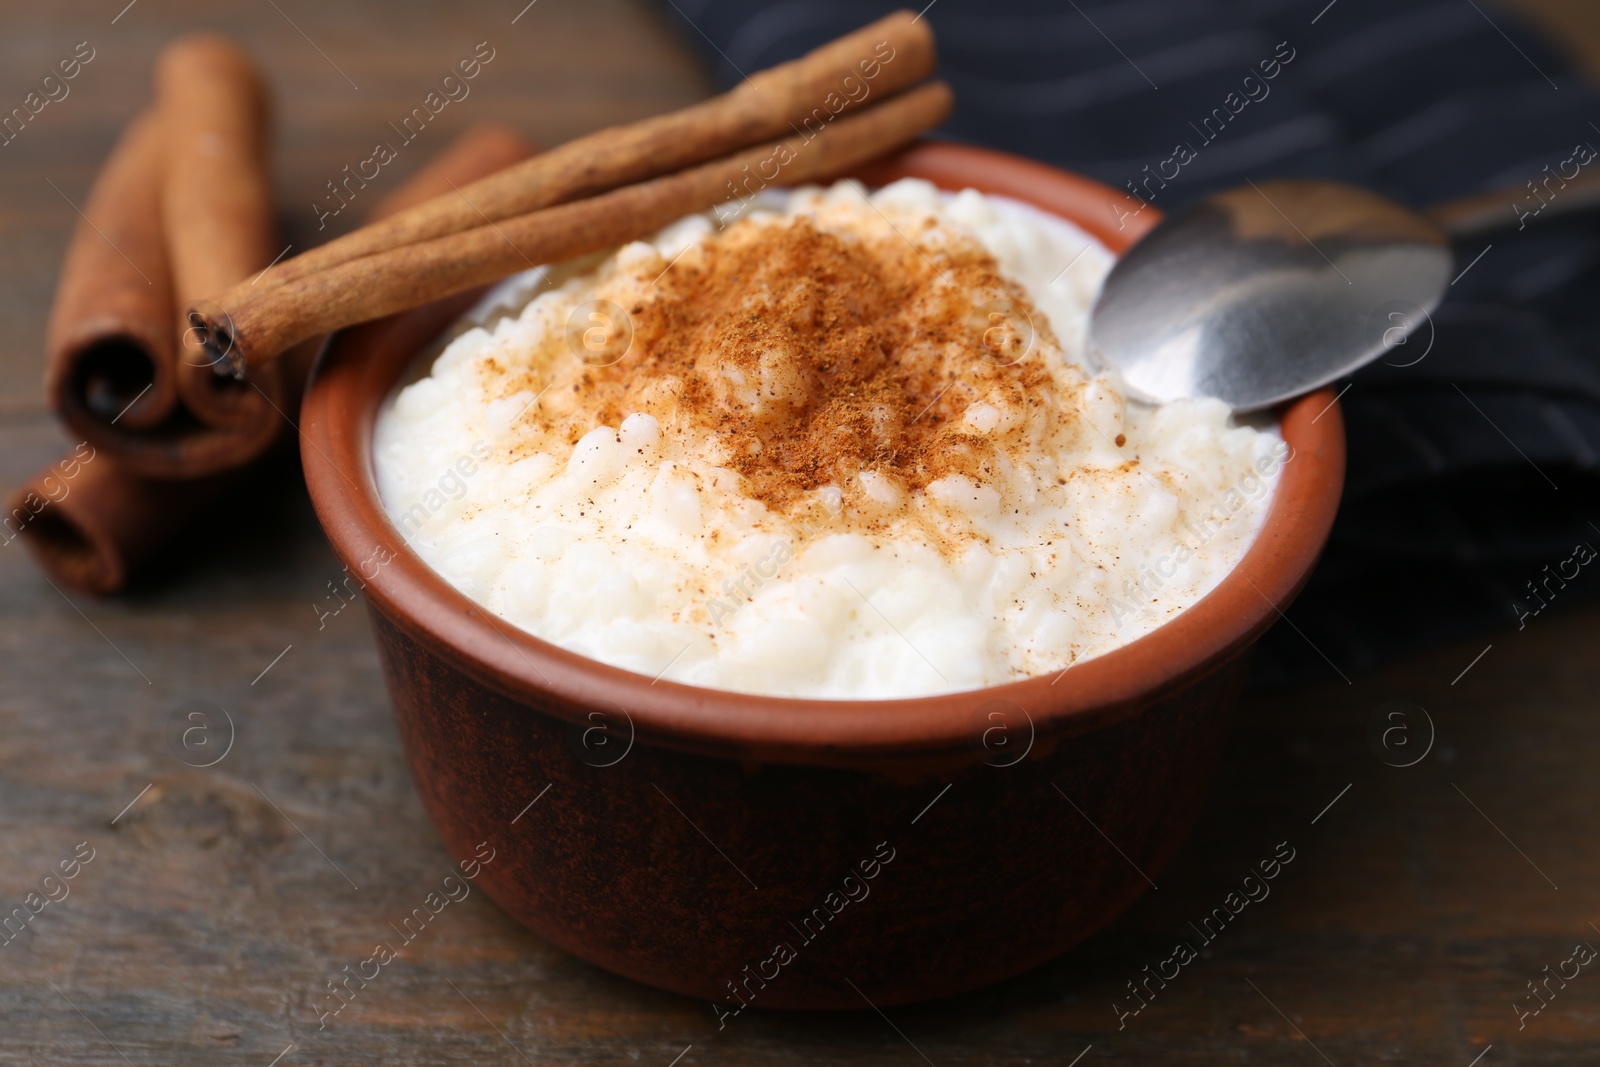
(221, 899)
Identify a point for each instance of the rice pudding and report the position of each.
(830, 444)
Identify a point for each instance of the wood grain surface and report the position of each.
(221, 899)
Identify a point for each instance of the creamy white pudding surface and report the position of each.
(840, 446)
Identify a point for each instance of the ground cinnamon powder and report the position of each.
(806, 357)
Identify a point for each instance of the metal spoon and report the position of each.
(1265, 292)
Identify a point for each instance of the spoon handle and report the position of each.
(1517, 208)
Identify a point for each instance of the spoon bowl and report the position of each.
(1265, 292)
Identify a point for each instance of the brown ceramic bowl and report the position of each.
(803, 853)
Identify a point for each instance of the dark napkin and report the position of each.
(1473, 452)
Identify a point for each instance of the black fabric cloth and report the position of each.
(1471, 467)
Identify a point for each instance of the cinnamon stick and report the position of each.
(217, 216)
(91, 528)
(250, 332)
(92, 524)
(843, 76)
(109, 344)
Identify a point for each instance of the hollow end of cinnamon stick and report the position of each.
(81, 558)
(90, 529)
(216, 388)
(210, 337)
(116, 376)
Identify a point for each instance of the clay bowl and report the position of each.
(797, 853)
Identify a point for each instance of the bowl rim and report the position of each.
(361, 365)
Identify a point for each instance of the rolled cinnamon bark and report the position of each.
(251, 332)
(805, 94)
(89, 531)
(92, 523)
(109, 343)
(217, 216)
